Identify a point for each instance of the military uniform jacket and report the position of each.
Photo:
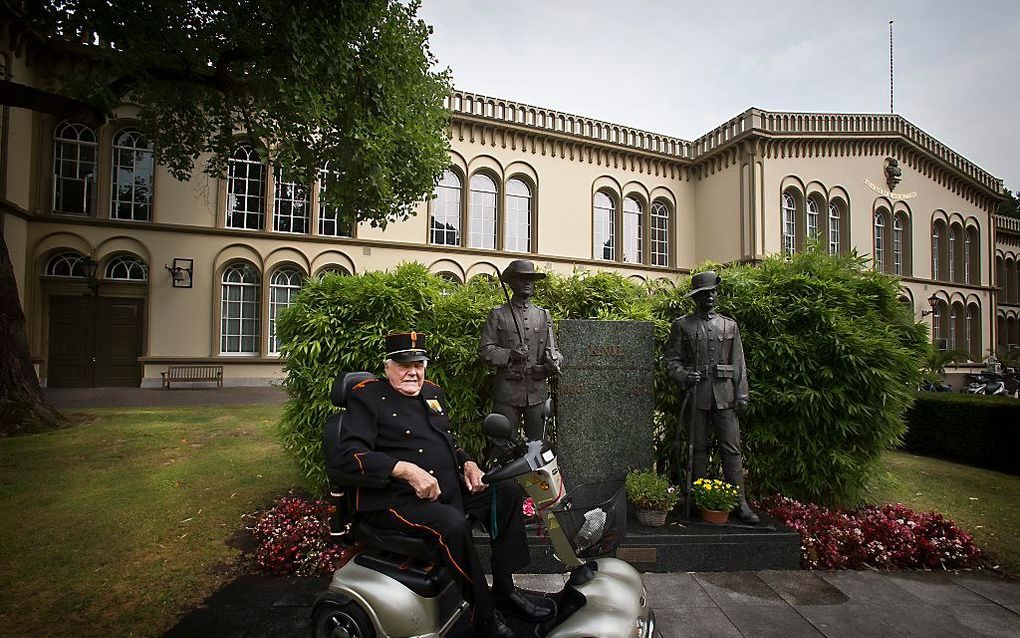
(711, 347)
(520, 383)
(383, 426)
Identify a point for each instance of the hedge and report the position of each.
(831, 353)
(975, 429)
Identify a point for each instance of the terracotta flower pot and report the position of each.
(718, 517)
(651, 518)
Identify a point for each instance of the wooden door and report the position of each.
(118, 342)
(95, 342)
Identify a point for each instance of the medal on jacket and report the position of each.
(434, 405)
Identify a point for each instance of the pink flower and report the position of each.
(529, 507)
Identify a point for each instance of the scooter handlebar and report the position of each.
(514, 468)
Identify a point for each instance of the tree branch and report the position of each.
(28, 97)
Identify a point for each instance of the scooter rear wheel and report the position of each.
(347, 620)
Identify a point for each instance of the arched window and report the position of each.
(246, 188)
(68, 264)
(812, 219)
(880, 224)
(954, 248)
(517, 231)
(789, 224)
(633, 223)
(453, 278)
(290, 205)
(937, 327)
(334, 269)
(834, 227)
(604, 242)
(954, 319)
(974, 332)
(284, 285)
(972, 256)
(660, 234)
(331, 222)
(74, 169)
(131, 194)
(1000, 276)
(126, 268)
(444, 223)
(239, 313)
(897, 240)
(482, 218)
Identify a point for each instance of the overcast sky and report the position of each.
(683, 68)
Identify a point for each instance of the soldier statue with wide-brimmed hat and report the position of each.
(518, 341)
(704, 356)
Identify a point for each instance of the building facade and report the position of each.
(123, 270)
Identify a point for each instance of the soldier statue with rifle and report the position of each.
(704, 356)
(518, 341)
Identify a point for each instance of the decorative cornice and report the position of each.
(1007, 224)
(755, 131)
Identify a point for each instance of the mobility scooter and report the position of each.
(392, 586)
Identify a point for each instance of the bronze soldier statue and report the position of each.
(705, 357)
(518, 341)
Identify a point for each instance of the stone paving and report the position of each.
(787, 604)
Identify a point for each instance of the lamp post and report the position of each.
(933, 302)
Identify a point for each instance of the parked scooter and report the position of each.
(985, 383)
(390, 585)
(927, 385)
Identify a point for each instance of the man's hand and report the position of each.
(693, 377)
(520, 353)
(473, 477)
(426, 487)
(742, 406)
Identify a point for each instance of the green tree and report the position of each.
(343, 86)
(1010, 207)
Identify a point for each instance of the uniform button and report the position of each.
(448, 432)
(407, 432)
(382, 398)
(421, 451)
(432, 471)
(394, 414)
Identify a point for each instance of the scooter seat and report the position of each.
(395, 542)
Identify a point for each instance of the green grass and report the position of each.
(118, 526)
(983, 502)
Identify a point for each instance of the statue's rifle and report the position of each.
(517, 324)
(689, 479)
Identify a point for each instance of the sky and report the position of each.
(682, 68)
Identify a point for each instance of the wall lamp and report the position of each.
(180, 272)
(92, 269)
(933, 301)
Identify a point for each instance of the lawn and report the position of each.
(117, 526)
(983, 502)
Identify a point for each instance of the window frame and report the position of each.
(60, 161)
(116, 151)
(255, 319)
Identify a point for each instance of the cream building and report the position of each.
(123, 270)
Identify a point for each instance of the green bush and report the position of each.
(831, 352)
(651, 491)
(975, 429)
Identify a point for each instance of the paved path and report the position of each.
(787, 604)
(83, 398)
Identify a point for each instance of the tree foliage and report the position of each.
(833, 357)
(345, 86)
(1010, 207)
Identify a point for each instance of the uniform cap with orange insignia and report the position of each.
(404, 347)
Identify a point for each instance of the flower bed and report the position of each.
(885, 536)
(292, 537)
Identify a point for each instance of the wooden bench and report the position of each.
(193, 374)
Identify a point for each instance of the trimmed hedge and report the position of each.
(975, 429)
(831, 353)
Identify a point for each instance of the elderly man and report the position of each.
(704, 356)
(399, 427)
(518, 341)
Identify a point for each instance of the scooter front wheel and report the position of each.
(347, 620)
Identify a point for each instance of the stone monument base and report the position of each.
(689, 547)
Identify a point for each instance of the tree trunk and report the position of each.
(23, 409)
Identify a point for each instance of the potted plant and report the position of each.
(652, 496)
(714, 499)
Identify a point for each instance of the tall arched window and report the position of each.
(812, 219)
(239, 312)
(789, 224)
(972, 256)
(74, 169)
(880, 256)
(290, 205)
(604, 235)
(954, 318)
(939, 250)
(126, 268)
(517, 231)
(331, 222)
(284, 285)
(897, 240)
(1000, 276)
(834, 222)
(974, 332)
(937, 329)
(67, 264)
(633, 223)
(131, 194)
(482, 217)
(660, 234)
(444, 223)
(954, 247)
(246, 188)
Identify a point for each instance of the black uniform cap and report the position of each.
(404, 347)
